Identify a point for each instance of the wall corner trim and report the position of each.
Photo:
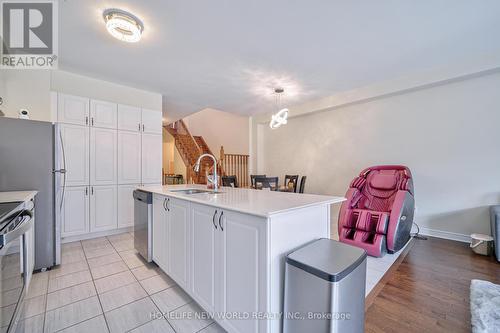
(445, 234)
(416, 81)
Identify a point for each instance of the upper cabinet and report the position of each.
(151, 121)
(103, 155)
(129, 157)
(73, 109)
(103, 114)
(151, 158)
(75, 154)
(129, 118)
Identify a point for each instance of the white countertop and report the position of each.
(255, 202)
(14, 196)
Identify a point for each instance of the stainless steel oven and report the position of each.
(16, 220)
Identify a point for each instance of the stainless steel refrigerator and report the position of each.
(28, 154)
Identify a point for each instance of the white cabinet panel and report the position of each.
(243, 268)
(126, 205)
(103, 154)
(129, 118)
(160, 232)
(178, 211)
(75, 211)
(75, 143)
(72, 110)
(103, 208)
(151, 158)
(129, 157)
(203, 254)
(103, 114)
(151, 121)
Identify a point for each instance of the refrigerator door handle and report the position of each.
(63, 170)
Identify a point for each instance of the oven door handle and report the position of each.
(25, 225)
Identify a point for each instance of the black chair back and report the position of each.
(292, 179)
(271, 183)
(252, 179)
(229, 181)
(302, 184)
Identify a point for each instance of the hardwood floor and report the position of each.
(429, 291)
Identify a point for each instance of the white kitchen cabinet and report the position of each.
(126, 205)
(108, 150)
(72, 110)
(129, 118)
(129, 157)
(103, 155)
(160, 232)
(151, 158)
(103, 114)
(178, 240)
(204, 236)
(75, 211)
(151, 121)
(103, 208)
(75, 152)
(242, 270)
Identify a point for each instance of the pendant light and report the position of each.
(280, 117)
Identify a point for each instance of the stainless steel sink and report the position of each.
(194, 191)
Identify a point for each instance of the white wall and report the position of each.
(221, 129)
(26, 89)
(30, 89)
(76, 84)
(448, 135)
(168, 150)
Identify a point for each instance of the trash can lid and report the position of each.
(327, 259)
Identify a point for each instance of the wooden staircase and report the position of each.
(191, 147)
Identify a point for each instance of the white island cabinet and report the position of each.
(227, 250)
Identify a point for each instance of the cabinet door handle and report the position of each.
(213, 220)
(92, 190)
(86, 191)
(165, 203)
(168, 201)
(92, 121)
(139, 126)
(220, 224)
(86, 120)
(143, 127)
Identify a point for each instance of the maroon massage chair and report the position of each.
(378, 213)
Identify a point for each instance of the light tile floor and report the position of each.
(103, 285)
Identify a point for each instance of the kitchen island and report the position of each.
(227, 250)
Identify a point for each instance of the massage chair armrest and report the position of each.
(346, 207)
(401, 220)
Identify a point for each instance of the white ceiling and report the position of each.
(229, 54)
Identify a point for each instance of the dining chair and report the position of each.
(302, 184)
(292, 179)
(252, 179)
(271, 183)
(229, 181)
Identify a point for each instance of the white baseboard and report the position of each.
(96, 235)
(445, 234)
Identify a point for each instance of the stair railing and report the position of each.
(235, 164)
(189, 158)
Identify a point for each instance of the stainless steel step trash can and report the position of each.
(325, 288)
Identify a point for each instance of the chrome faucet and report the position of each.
(197, 169)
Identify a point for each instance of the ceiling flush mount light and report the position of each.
(123, 25)
(281, 117)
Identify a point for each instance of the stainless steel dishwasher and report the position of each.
(143, 215)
